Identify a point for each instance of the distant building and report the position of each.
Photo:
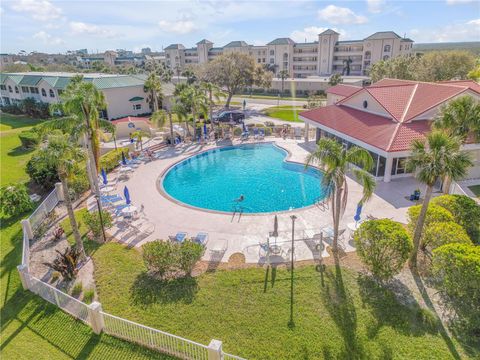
(5, 60)
(146, 51)
(124, 94)
(324, 57)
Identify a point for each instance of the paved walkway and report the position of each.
(270, 102)
(230, 234)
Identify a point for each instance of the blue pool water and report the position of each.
(214, 179)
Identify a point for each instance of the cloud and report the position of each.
(42, 10)
(459, 2)
(453, 32)
(311, 33)
(81, 28)
(47, 38)
(340, 15)
(375, 6)
(181, 27)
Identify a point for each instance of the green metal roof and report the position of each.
(174, 47)
(15, 78)
(117, 81)
(282, 41)
(136, 98)
(236, 44)
(30, 80)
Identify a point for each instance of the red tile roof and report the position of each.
(471, 84)
(131, 119)
(343, 90)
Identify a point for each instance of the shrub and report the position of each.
(77, 289)
(78, 183)
(35, 108)
(58, 233)
(30, 139)
(88, 296)
(14, 200)
(92, 220)
(457, 267)
(384, 246)
(190, 252)
(440, 233)
(12, 109)
(435, 214)
(110, 160)
(66, 263)
(237, 131)
(159, 256)
(41, 172)
(465, 211)
(55, 276)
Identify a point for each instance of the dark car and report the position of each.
(229, 115)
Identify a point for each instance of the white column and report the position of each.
(96, 318)
(307, 128)
(388, 170)
(215, 350)
(22, 271)
(27, 228)
(59, 191)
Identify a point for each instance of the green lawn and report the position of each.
(12, 156)
(31, 328)
(270, 97)
(475, 189)
(349, 318)
(287, 113)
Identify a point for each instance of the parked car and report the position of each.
(229, 115)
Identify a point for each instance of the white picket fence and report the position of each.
(92, 314)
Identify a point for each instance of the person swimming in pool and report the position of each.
(240, 199)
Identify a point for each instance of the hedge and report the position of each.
(111, 160)
(30, 139)
(440, 233)
(465, 211)
(435, 213)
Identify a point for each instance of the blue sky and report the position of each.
(57, 26)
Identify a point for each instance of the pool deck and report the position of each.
(228, 233)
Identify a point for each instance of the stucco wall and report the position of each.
(118, 104)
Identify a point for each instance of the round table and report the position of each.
(353, 226)
(125, 169)
(107, 189)
(129, 210)
(275, 249)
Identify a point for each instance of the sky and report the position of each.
(57, 26)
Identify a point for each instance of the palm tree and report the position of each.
(283, 75)
(64, 154)
(190, 75)
(460, 117)
(153, 86)
(159, 118)
(181, 109)
(193, 100)
(437, 156)
(334, 160)
(81, 102)
(213, 94)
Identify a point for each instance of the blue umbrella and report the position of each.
(124, 160)
(358, 212)
(205, 130)
(104, 177)
(127, 196)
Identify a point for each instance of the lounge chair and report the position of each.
(201, 238)
(261, 134)
(180, 237)
(255, 133)
(244, 135)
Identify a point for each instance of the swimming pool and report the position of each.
(216, 178)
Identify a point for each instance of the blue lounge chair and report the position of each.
(110, 198)
(180, 237)
(255, 133)
(261, 134)
(201, 238)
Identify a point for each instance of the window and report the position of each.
(33, 90)
(3, 87)
(25, 89)
(368, 55)
(137, 107)
(263, 60)
(399, 166)
(272, 61)
(10, 88)
(272, 52)
(16, 89)
(52, 94)
(285, 56)
(365, 104)
(386, 48)
(386, 57)
(60, 92)
(259, 60)
(44, 93)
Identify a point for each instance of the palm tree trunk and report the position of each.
(194, 114)
(171, 127)
(210, 110)
(229, 98)
(419, 227)
(336, 216)
(89, 170)
(71, 217)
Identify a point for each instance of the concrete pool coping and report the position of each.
(286, 159)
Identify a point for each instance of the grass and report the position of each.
(286, 113)
(349, 318)
(12, 156)
(32, 328)
(271, 97)
(475, 189)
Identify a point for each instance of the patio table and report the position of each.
(129, 210)
(275, 249)
(107, 189)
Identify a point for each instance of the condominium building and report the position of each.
(124, 94)
(326, 56)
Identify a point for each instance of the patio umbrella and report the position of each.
(104, 177)
(275, 228)
(358, 212)
(127, 195)
(124, 160)
(244, 127)
(205, 130)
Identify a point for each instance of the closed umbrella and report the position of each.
(126, 193)
(124, 160)
(104, 177)
(358, 212)
(205, 130)
(275, 228)
(244, 127)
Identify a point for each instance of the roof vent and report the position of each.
(365, 104)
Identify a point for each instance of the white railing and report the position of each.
(25, 249)
(40, 213)
(153, 338)
(231, 357)
(64, 301)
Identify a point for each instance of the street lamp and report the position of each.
(101, 217)
(291, 324)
